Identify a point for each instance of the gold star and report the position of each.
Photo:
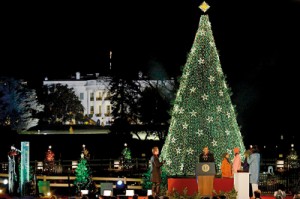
(204, 6)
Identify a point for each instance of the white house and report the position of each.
(93, 92)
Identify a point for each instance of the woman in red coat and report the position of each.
(155, 171)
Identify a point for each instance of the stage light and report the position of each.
(5, 181)
(84, 192)
(120, 187)
(120, 182)
(107, 193)
(129, 192)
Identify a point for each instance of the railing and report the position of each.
(136, 166)
(273, 173)
(277, 173)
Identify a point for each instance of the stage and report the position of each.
(190, 183)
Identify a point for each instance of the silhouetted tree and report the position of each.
(124, 96)
(61, 104)
(19, 105)
(154, 111)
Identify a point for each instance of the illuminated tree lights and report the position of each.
(203, 114)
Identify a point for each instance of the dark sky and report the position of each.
(258, 43)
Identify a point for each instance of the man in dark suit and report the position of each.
(206, 155)
(155, 171)
(205, 183)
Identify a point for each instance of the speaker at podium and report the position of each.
(205, 173)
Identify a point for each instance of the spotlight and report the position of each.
(107, 193)
(129, 192)
(5, 181)
(120, 185)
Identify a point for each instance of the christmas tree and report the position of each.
(292, 159)
(126, 157)
(83, 180)
(49, 160)
(203, 114)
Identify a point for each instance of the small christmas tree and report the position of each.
(83, 180)
(292, 159)
(126, 157)
(49, 160)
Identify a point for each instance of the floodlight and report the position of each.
(129, 192)
(84, 192)
(107, 193)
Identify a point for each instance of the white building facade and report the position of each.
(93, 92)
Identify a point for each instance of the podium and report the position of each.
(205, 172)
(241, 184)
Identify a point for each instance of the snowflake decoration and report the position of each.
(221, 93)
(185, 126)
(214, 142)
(176, 108)
(178, 150)
(201, 61)
(211, 78)
(209, 24)
(181, 110)
(199, 132)
(209, 119)
(211, 43)
(193, 50)
(168, 162)
(193, 90)
(190, 151)
(219, 109)
(228, 115)
(219, 69)
(227, 132)
(202, 32)
(204, 97)
(229, 151)
(173, 140)
(193, 113)
(181, 167)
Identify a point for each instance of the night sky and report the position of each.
(258, 43)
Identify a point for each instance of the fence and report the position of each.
(111, 167)
(274, 173)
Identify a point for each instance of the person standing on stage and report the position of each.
(237, 161)
(205, 183)
(155, 171)
(226, 167)
(254, 167)
(206, 155)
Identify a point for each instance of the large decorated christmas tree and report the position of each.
(203, 114)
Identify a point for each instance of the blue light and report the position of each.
(120, 182)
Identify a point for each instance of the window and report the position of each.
(100, 109)
(81, 96)
(107, 96)
(91, 96)
(99, 96)
(107, 110)
(92, 110)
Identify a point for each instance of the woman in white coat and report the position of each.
(254, 168)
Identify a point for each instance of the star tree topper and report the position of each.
(204, 6)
